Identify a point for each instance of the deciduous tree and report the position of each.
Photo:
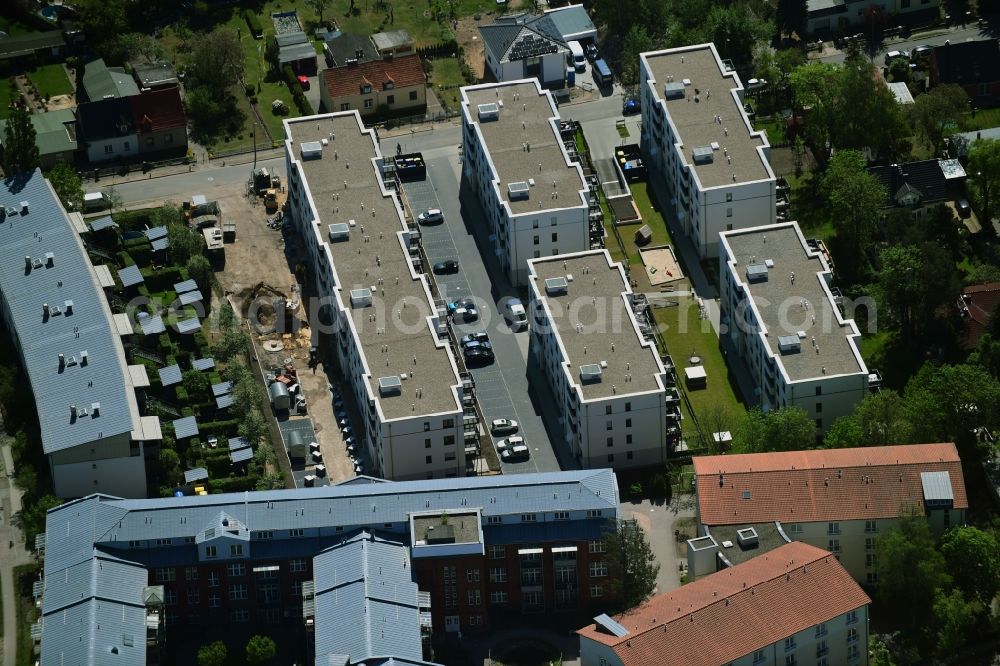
(853, 198)
(632, 566)
(984, 175)
(792, 16)
(948, 402)
(878, 420)
(935, 110)
(954, 616)
(20, 152)
(200, 271)
(785, 429)
(213, 654)
(234, 342)
(260, 650)
(973, 557)
(319, 6)
(67, 185)
(636, 41)
(910, 570)
(185, 243)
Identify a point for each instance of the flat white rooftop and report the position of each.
(707, 113)
(522, 140)
(587, 296)
(345, 187)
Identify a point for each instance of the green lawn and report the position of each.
(775, 128)
(687, 335)
(51, 80)
(446, 79)
(8, 93)
(650, 215)
(13, 27)
(980, 120)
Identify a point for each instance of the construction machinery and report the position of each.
(271, 200)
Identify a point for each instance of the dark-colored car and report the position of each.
(478, 356)
(591, 52)
(921, 52)
(963, 208)
(444, 267)
(479, 336)
(630, 106)
(303, 81)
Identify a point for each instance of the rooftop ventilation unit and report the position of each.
(11, 211)
(673, 90)
(555, 286)
(757, 272)
(703, 155)
(311, 150)
(518, 190)
(590, 373)
(361, 298)
(24, 208)
(747, 538)
(489, 111)
(789, 344)
(390, 385)
(340, 231)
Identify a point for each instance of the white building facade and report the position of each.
(782, 323)
(700, 142)
(533, 197)
(607, 379)
(387, 336)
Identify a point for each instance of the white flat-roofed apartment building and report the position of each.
(401, 371)
(532, 194)
(607, 379)
(781, 321)
(698, 136)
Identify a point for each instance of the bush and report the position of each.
(181, 393)
(303, 105)
(636, 490)
(253, 22)
(163, 279)
(291, 80)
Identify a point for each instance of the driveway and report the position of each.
(657, 520)
(503, 388)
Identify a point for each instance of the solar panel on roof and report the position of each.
(130, 276)
(203, 363)
(196, 474)
(152, 325)
(170, 375)
(242, 455)
(222, 388)
(188, 325)
(189, 297)
(156, 232)
(185, 427)
(186, 285)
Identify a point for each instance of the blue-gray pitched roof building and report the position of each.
(363, 538)
(59, 318)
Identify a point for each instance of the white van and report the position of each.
(513, 311)
(576, 56)
(93, 201)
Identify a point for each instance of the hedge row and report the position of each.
(256, 29)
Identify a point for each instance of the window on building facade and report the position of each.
(851, 617)
(561, 515)
(413, 95)
(871, 526)
(210, 551)
(833, 528)
(239, 615)
(611, 457)
(497, 552)
(475, 597)
(163, 542)
(759, 657)
(871, 578)
(429, 460)
(296, 566)
(296, 533)
(237, 592)
(611, 442)
(821, 649)
(528, 517)
(296, 588)
(821, 629)
(165, 575)
(833, 545)
(494, 520)
(261, 535)
(213, 579)
(472, 575)
(598, 569)
(193, 596)
(852, 634)
(852, 652)
(237, 569)
(595, 513)
(213, 600)
(628, 439)
(190, 573)
(597, 547)
(790, 643)
(498, 575)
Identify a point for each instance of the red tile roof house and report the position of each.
(160, 121)
(976, 305)
(836, 499)
(393, 86)
(795, 600)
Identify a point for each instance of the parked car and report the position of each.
(431, 216)
(513, 312)
(756, 84)
(921, 51)
(479, 336)
(515, 454)
(503, 426)
(963, 208)
(590, 50)
(461, 303)
(475, 345)
(630, 106)
(509, 443)
(303, 81)
(443, 267)
(479, 356)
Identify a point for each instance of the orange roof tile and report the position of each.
(822, 484)
(981, 300)
(731, 613)
(401, 71)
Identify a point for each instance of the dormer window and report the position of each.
(388, 85)
(366, 89)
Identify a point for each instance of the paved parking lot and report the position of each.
(503, 387)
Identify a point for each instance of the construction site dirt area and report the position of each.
(259, 272)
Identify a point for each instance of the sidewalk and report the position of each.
(10, 497)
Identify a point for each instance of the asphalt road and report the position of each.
(954, 34)
(502, 388)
